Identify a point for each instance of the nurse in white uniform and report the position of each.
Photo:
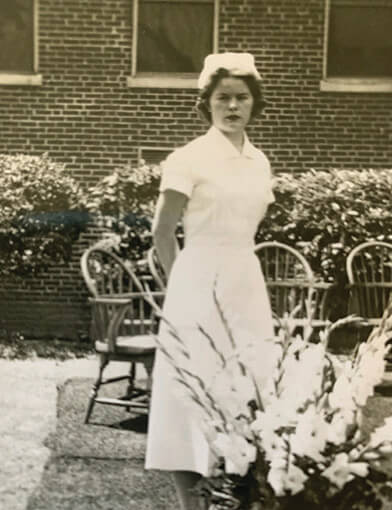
(220, 185)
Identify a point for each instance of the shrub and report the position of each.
(123, 202)
(327, 213)
(323, 214)
(40, 213)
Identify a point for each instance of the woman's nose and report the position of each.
(233, 103)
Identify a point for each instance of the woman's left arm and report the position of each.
(168, 212)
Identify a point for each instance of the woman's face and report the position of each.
(231, 104)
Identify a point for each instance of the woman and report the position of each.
(221, 185)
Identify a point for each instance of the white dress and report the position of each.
(229, 193)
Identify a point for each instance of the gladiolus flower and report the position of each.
(238, 453)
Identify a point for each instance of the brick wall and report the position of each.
(85, 115)
(51, 305)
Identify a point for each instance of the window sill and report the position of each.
(163, 81)
(356, 85)
(20, 79)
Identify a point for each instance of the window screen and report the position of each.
(360, 39)
(17, 36)
(174, 36)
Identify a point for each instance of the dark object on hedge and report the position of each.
(123, 326)
(369, 273)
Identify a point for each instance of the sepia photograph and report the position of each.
(196, 254)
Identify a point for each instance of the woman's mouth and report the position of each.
(233, 118)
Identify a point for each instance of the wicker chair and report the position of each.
(369, 273)
(123, 326)
(291, 283)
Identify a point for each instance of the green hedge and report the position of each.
(41, 214)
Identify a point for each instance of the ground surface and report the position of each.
(51, 461)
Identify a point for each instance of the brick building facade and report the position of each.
(84, 101)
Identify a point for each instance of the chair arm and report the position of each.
(110, 300)
(323, 290)
(108, 315)
(112, 312)
(372, 285)
(131, 295)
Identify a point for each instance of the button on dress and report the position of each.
(228, 193)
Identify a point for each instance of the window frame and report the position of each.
(347, 84)
(19, 78)
(166, 80)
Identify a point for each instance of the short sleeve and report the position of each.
(177, 174)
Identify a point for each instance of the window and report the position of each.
(18, 20)
(358, 44)
(153, 155)
(171, 39)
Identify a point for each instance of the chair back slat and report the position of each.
(369, 272)
(100, 319)
(287, 274)
(107, 275)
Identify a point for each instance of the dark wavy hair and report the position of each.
(203, 100)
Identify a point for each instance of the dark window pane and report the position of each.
(16, 35)
(174, 36)
(360, 40)
(153, 156)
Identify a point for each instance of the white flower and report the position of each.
(274, 446)
(260, 358)
(237, 452)
(341, 395)
(276, 415)
(342, 421)
(310, 436)
(233, 391)
(342, 470)
(382, 434)
(302, 374)
(286, 479)
(385, 449)
(369, 367)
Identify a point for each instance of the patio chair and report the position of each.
(156, 269)
(123, 326)
(291, 282)
(369, 273)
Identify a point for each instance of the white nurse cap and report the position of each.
(238, 64)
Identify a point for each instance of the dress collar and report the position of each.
(226, 149)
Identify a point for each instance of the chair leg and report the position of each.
(148, 366)
(103, 361)
(131, 383)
